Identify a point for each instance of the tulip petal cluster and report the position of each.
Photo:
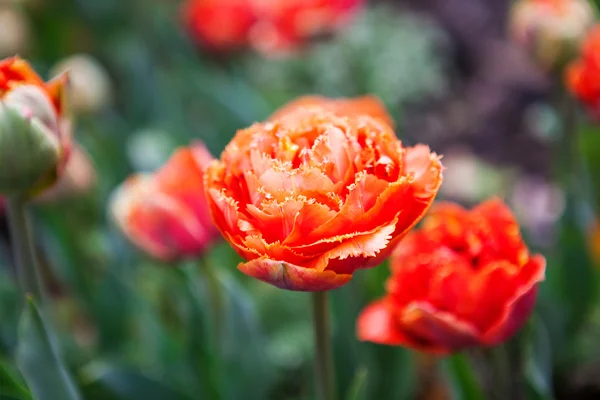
(464, 279)
(318, 192)
(269, 26)
(165, 214)
(35, 131)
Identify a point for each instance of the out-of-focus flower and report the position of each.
(284, 25)
(367, 105)
(583, 75)
(14, 31)
(149, 148)
(165, 213)
(35, 133)
(538, 205)
(551, 29)
(219, 24)
(90, 86)
(470, 179)
(464, 279)
(271, 26)
(312, 196)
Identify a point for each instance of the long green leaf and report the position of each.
(463, 382)
(38, 360)
(11, 385)
(122, 384)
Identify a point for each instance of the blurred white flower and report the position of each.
(467, 178)
(148, 149)
(538, 205)
(91, 88)
(14, 30)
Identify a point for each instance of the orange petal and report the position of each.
(377, 323)
(292, 277)
(438, 328)
(518, 308)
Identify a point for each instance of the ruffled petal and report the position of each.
(377, 323)
(292, 277)
(441, 330)
(518, 308)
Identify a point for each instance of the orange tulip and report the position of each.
(464, 279)
(368, 105)
(165, 214)
(35, 129)
(310, 197)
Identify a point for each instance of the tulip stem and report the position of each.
(324, 373)
(23, 247)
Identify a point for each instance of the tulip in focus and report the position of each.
(314, 195)
(368, 104)
(35, 133)
(583, 75)
(551, 29)
(165, 214)
(464, 279)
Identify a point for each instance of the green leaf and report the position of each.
(539, 362)
(11, 384)
(39, 361)
(463, 382)
(122, 384)
(358, 389)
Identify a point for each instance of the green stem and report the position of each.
(23, 248)
(324, 373)
(216, 299)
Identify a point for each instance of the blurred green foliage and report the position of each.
(131, 328)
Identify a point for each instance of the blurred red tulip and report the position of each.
(464, 279)
(35, 129)
(286, 24)
(271, 26)
(220, 25)
(583, 75)
(310, 197)
(165, 214)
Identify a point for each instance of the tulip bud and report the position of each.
(34, 135)
(551, 30)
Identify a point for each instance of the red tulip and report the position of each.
(219, 24)
(464, 279)
(310, 197)
(165, 214)
(583, 75)
(287, 24)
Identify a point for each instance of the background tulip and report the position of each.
(165, 213)
(309, 198)
(464, 279)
